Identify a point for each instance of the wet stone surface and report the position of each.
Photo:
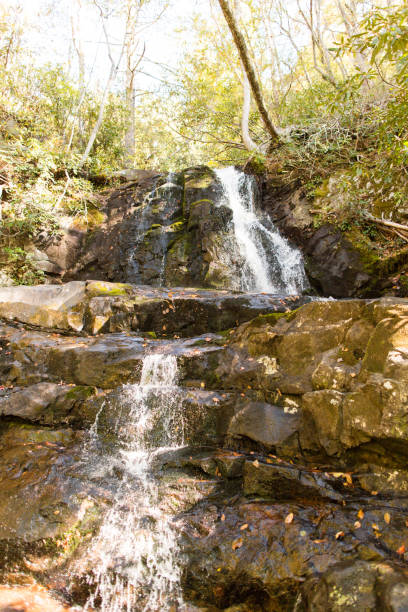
(288, 492)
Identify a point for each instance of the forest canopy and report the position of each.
(301, 89)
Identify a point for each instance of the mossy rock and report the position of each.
(102, 288)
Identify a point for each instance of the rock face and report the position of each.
(163, 230)
(291, 490)
(336, 263)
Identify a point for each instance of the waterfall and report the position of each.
(134, 556)
(269, 263)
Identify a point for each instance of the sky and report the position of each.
(51, 35)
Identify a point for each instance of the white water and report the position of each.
(135, 555)
(270, 263)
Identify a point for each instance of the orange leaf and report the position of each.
(387, 518)
(357, 525)
(401, 550)
(243, 527)
(223, 517)
(360, 514)
(339, 535)
(256, 463)
(237, 544)
(289, 518)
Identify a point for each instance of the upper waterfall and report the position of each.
(269, 263)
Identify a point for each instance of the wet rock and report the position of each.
(246, 552)
(45, 403)
(99, 307)
(284, 482)
(356, 586)
(335, 265)
(34, 598)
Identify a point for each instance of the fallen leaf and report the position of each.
(202, 385)
(387, 518)
(223, 517)
(374, 492)
(244, 527)
(237, 543)
(256, 463)
(319, 541)
(357, 525)
(360, 514)
(375, 527)
(289, 518)
(339, 535)
(401, 550)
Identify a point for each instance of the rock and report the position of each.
(269, 426)
(5, 280)
(33, 598)
(283, 482)
(100, 307)
(267, 562)
(48, 306)
(325, 409)
(347, 587)
(384, 480)
(335, 264)
(45, 403)
(356, 586)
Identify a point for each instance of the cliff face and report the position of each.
(162, 230)
(346, 261)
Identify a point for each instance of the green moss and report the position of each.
(273, 317)
(200, 182)
(80, 393)
(203, 200)
(177, 226)
(101, 288)
(151, 334)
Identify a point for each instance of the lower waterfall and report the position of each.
(269, 263)
(134, 555)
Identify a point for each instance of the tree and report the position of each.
(246, 107)
(115, 65)
(249, 69)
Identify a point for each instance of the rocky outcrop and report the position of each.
(162, 230)
(94, 307)
(338, 263)
(291, 490)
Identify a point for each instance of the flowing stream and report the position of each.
(269, 263)
(135, 555)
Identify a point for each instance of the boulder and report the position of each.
(269, 426)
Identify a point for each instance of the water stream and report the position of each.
(134, 557)
(269, 263)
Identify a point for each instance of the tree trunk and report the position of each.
(250, 145)
(249, 69)
(112, 75)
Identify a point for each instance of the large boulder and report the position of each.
(337, 371)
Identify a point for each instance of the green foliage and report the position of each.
(384, 34)
(21, 267)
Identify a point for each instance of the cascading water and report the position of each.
(134, 556)
(269, 263)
